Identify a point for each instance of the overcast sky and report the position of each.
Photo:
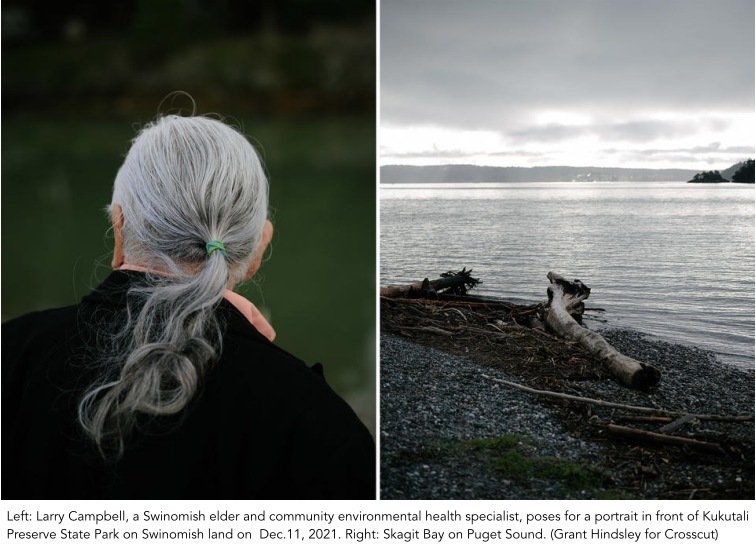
(628, 83)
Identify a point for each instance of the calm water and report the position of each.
(672, 260)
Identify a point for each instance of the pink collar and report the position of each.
(242, 304)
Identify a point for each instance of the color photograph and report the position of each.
(188, 260)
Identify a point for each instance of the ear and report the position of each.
(267, 235)
(116, 215)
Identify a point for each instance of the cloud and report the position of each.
(606, 82)
(713, 148)
(630, 131)
(455, 154)
(495, 65)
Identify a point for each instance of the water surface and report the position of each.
(674, 260)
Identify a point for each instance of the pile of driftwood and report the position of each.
(561, 314)
(548, 340)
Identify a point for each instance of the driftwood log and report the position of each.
(457, 283)
(562, 315)
(676, 418)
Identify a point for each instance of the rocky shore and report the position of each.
(447, 432)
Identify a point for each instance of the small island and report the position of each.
(708, 176)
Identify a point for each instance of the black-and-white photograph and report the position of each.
(567, 249)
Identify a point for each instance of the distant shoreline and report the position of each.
(404, 174)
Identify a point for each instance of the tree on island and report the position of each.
(745, 173)
(708, 176)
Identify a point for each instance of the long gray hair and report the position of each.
(186, 181)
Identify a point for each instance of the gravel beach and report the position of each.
(449, 433)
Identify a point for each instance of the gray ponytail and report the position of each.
(185, 182)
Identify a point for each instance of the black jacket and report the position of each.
(263, 426)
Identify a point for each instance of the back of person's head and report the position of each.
(189, 204)
(187, 181)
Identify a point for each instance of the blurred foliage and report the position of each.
(264, 56)
(80, 79)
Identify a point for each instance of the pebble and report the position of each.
(430, 397)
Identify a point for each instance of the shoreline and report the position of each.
(447, 433)
(736, 360)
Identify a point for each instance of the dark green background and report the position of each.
(300, 84)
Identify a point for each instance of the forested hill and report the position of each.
(478, 173)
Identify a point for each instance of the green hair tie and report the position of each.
(215, 245)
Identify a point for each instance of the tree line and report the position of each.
(743, 174)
